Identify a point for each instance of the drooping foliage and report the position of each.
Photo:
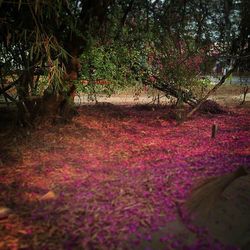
(164, 44)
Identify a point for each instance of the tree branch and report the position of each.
(124, 17)
(3, 90)
(222, 80)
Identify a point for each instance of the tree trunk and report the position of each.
(59, 105)
(245, 91)
(180, 94)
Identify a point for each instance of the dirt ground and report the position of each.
(118, 177)
(228, 95)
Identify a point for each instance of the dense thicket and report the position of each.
(48, 46)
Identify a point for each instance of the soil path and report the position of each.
(128, 99)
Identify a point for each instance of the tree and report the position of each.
(50, 36)
(160, 43)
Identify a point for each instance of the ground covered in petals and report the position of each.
(116, 175)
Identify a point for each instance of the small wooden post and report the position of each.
(214, 130)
